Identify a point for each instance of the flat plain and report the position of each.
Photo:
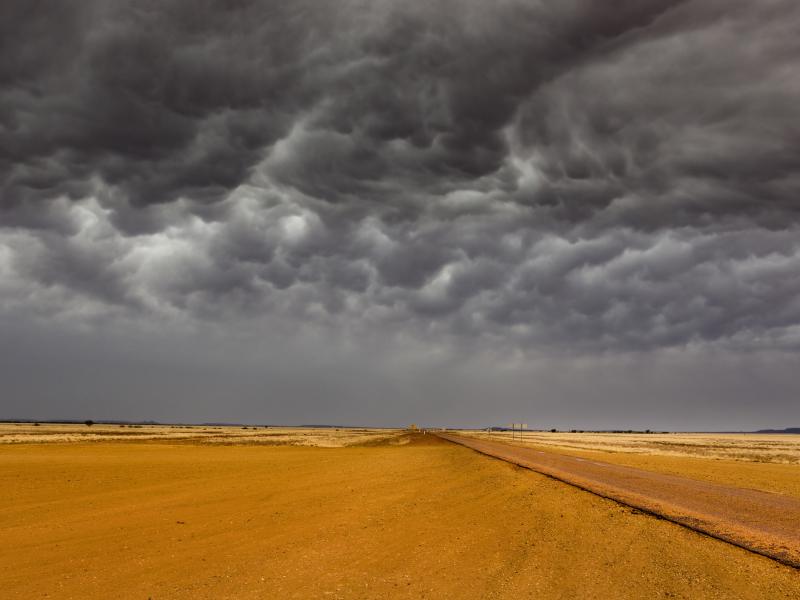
(767, 462)
(374, 514)
(323, 437)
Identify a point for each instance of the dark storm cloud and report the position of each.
(689, 122)
(179, 98)
(516, 174)
(159, 100)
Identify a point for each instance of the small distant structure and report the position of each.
(517, 427)
(413, 427)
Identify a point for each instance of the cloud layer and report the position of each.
(511, 178)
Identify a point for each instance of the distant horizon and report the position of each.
(380, 212)
(78, 421)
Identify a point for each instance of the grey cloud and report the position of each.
(516, 174)
(171, 99)
(686, 123)
(160, 100)
(622, 290)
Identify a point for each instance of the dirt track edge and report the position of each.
(708, 532)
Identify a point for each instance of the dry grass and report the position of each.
(768, 462)
(27, 433)
(747, 447)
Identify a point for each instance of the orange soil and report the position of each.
(425, 519)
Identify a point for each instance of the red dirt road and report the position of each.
(762, 522)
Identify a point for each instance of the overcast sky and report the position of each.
(572, 213)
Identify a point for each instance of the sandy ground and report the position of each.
(762, 462)
(325, 437)
(422, 519)
(760, 521)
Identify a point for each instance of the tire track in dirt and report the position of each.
(761, 522)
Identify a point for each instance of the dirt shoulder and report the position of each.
(717, 458)
(421, 519)
(759, 521)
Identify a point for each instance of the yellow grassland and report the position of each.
(16, 433)
(769, 462)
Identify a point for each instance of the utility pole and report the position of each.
(514, 427)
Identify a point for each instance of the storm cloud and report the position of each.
(523, 180)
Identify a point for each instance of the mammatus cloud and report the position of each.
(514, 175)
